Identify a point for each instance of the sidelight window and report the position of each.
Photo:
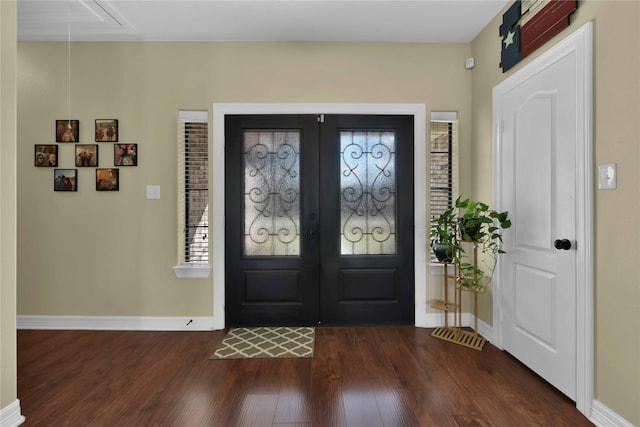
(193, 193)
(444, 161)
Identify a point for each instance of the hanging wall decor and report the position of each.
(528, 24)
(107, 180)
(46, 155)
(65, 180)
(67, 130)
(106, 130)
(125, 154)
(86, 155)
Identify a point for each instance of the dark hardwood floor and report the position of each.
(363, 377)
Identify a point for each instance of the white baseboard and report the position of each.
(10, 415)
(602, 416)
(119, 323)
(141, 323)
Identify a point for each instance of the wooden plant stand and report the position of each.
(454, 333)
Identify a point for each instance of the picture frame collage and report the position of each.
(86, 155)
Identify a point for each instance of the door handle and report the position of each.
(313, 225)
(562, 244)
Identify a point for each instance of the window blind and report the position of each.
(442, 166)
(444, 162)
(193, 188)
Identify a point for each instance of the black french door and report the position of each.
(319, 220)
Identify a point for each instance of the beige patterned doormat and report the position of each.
(266, 342)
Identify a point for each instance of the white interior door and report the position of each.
(541, 144)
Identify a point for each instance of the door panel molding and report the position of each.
(579, 43)
(353, 283)
(220, 110)
(289, 285)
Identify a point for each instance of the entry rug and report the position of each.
(266, 342)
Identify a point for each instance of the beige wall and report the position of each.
(616, 140)
(111, 253)
(8, 389)
(90, 253)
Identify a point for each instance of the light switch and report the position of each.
(153, 191)
(607, 176)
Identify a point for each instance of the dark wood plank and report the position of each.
(358, 398)
(294, 401)
(385, 376)
(326, 379)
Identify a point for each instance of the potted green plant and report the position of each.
(476, 220)
(443, 235)
(483, 226)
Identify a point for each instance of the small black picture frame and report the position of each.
(46, 155)
(65, 180)
(67, 130)
(106, 130)
(86, 155)
(125, 154)
(107, 179)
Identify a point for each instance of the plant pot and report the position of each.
(443, 251)
(470, 229)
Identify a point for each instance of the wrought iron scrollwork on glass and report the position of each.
(368, 193)
(272, 193)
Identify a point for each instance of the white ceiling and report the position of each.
(278, 20)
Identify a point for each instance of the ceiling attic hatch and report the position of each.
(61, 20)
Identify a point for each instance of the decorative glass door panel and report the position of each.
(367, 193)
(271, 193)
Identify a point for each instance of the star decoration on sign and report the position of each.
(508, 40)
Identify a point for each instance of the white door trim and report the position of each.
(581, 43)
(420, 191)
